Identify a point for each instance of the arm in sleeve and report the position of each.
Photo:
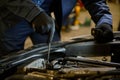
(23, 8)
(99, 11)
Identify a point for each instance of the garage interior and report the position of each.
(28, 64)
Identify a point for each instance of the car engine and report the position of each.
(71, 60)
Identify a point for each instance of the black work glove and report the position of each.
(102, 33)
(43, 23)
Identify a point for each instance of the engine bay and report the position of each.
(71, 60)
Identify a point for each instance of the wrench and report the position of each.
(50, 38)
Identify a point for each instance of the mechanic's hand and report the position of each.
(102, 33)
(43, 23)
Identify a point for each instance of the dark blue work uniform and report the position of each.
(15, 37)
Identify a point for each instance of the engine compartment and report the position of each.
(68, 61)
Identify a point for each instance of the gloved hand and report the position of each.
(43, 23)
(102, 33)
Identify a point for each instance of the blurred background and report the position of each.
(83, 23)
(79, 22)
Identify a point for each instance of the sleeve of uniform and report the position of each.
(23, 8)
(99, 11)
